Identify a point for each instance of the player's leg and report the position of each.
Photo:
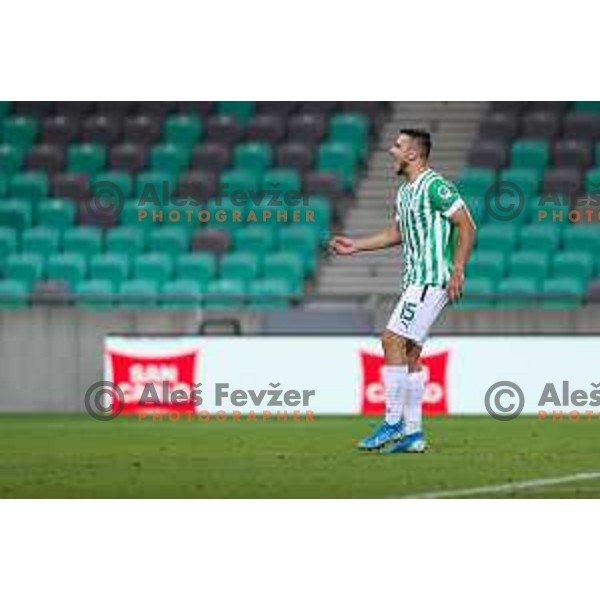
(413, 408)
(395, 378)
(395, 371)
(431, 304)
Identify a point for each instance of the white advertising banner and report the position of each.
(341, 375)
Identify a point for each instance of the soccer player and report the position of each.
(435, 228)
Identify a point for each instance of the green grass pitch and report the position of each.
(73, 456)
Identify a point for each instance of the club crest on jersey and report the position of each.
(445, 192)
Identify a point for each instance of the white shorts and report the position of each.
(417, 311)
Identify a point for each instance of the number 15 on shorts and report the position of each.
(408, 313)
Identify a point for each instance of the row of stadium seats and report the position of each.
(63, 214)
(241, 109)
(175, 157)
(541, 120)
(22, 133)
(176, 294)
(536, 154)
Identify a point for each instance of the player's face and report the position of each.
(404, 153)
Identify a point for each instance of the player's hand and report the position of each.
(343, 246)
(456, 285)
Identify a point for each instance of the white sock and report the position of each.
(394, 384)
(413, 410)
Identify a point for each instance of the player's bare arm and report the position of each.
(466, 229)
(387, 238)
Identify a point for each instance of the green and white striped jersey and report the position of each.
(423, 210)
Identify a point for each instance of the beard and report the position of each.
(401, 169)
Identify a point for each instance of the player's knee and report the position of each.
(394, 348)
(413, 357)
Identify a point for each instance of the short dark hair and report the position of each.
(422, 137)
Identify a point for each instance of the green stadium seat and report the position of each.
(24, 267)
(590, 106)
(540, 237)
(582, 238)
(14, 294)
(11, 159)
(227, 294)
(551, 210)
(120, 181)
(321, 208)
(497, 237)
(238, 181)
(172, 241)
(16, 214)
(563, 293)
(83, 240)
(285, 265)
(186, 289)
(139, 293)
(184, 217)
(475, 182)
(578, 265)
(253, 156)
(269, 294)
(154, 186)
(302, 239)
(67, 267)
(597, 154)
(266, 217)
(9, 243)
(592, 181)
(353, 129)
(519, 292)
(112, 267)
(242, 110)
(223, 213)
(530, 154)
(338, 158)
(3, 184)
(184, 130)
(532, 265)
(132, 215)
(40, 240)
(20, 131)
(200, 268)
(477, 208)
(153, 267)
(56, 213)
(29, 185)
(487, 265)
(254, 238)
(86, 158)
(479, 293)
(5, 108)
(240, 265)
(527, 180)
(127, 241)
(96, 294)
(169, 158)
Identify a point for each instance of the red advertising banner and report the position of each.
(151, 383)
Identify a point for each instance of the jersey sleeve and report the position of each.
(445, 198)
